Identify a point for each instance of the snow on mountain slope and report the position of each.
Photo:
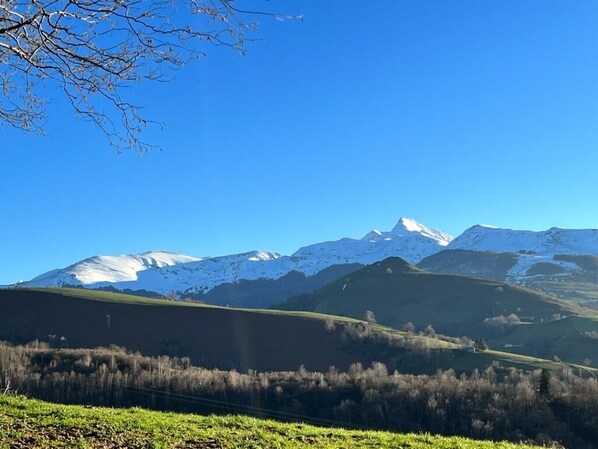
(550, 242)
(410, 225)
(520, 271)
(205, 274)
(164, 272)
(109, 269)
(408, 239)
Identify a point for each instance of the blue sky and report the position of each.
(453, 113)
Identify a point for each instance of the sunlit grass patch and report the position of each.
(36, 424)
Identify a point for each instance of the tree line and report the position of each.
(497, 403)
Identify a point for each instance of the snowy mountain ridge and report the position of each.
(548, 243)
(164, 272)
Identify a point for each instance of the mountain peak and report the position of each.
(409, 225)
(486, 226)
(374, 234)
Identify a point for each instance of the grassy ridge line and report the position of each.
(98, 295)
(463, 360)
(123, 298)
(36, 424)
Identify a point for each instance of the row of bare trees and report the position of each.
(493, 404)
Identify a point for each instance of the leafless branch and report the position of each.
(91, 50)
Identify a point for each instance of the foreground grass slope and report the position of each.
(26, 423)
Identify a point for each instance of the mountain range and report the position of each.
(164, 272)
(261, 278)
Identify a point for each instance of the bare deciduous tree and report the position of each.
(91, 50)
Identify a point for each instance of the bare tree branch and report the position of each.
(91, 50)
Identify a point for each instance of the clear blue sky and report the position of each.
(453, 113)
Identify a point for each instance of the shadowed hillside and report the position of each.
(461, 262)
(227, 338)
(265, 292)
(397, 293)
(573, 278)
(213, 336)
(210, 336)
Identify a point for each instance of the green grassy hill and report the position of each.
(221, 337)
(577, 284)
(32, 424)
(398, 292)
(574, 339)
(577, 289)
(211, 336)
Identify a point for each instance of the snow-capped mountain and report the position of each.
(560, 262)
(546, 243)
(109, 269)
(164, 272)
(204, 274)
(408, 240)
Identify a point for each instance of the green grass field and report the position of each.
(574, 338)
(26, 423)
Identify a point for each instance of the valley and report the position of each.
(82, 346)
(310, 336)
(201, 244)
